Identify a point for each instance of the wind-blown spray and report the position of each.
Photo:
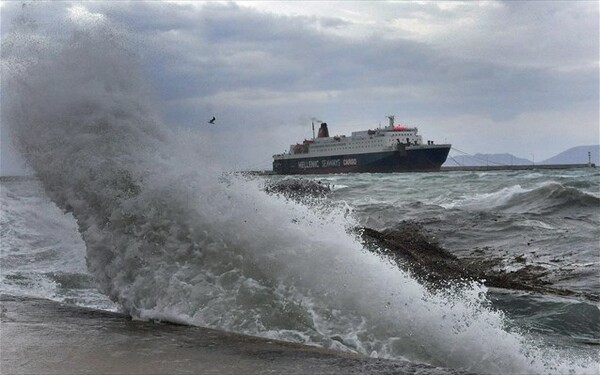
(169, 237)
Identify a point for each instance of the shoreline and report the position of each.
(40, 336)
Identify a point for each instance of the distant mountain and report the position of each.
(485, 159)
(576, 155)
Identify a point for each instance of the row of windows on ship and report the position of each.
(379, 141)
(360, 146)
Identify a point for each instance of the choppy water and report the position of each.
(156, 226)
(550, 218)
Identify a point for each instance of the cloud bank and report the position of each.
(519, 77)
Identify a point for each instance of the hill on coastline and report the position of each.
(574, 155)
(485, 159)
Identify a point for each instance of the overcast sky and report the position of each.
(517, 76)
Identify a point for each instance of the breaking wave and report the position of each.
(169, 236)
(547, 198)
(551, 198)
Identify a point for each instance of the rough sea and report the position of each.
(127, 213)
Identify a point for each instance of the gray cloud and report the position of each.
(261, 71)
(227, 48)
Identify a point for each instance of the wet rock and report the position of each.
(297, 188)
(409, 246)
(412, 250)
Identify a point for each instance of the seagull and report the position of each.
(212, 120)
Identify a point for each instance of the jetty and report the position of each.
(522, 167)
(477, 168)
(39, 336)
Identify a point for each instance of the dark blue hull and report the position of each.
(420, 159)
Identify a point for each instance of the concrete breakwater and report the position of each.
(39, 336)
(516, 167)
(522, 167)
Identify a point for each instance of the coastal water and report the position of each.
(547, 218)
(44, 255)
(126, 213)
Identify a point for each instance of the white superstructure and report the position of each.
(360, 142)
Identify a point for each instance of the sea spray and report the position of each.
(168, 236)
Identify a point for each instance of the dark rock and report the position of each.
(297, 188)
(411, 249)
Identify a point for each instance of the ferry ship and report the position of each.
(394, 148)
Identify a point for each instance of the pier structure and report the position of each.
(522, 167)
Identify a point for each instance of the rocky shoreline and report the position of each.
(412, 249)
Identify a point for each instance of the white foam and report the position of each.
(482, 200)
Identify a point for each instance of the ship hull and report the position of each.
(416, 159)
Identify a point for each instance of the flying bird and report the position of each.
(212, 120)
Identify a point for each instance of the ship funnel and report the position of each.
(323, 132)
(391, 117)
